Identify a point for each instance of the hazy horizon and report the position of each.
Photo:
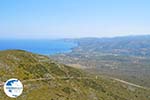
(56, 19)
(59, 38)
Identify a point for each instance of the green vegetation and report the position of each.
(45, 79)
(126, 58)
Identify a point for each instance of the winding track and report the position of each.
(119, 80)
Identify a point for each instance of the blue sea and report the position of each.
(46, 47)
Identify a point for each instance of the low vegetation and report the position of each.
(45, 79)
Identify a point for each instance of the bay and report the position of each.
(45, 47)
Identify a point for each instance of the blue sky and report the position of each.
(73, 18)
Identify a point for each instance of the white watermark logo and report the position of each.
(13, 88)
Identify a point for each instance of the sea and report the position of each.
(45, 47)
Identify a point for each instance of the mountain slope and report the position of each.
(129, 45)
(45, 79)
(126, 58)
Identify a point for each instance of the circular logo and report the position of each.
(13, 88)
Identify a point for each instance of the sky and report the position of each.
(36, 19)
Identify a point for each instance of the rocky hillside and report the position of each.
(45, 79)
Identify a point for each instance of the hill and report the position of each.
(45, 79)
(126, 58)
(127, 45)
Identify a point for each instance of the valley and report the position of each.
(45, 78)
